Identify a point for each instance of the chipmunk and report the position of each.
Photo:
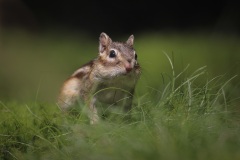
(110, 78)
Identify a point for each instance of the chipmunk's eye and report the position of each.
(135, 56)
(112, 54)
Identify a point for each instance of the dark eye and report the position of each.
(135, 56)
(112, 54)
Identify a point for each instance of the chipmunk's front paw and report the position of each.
(94, 119)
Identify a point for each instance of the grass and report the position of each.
(180, 111)
(184, 119)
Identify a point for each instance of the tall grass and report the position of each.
(184, 119)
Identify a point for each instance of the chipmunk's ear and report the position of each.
(104, 42)
(130, 41)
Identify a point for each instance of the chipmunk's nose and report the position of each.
(128, 67)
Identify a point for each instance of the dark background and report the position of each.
(117, 17)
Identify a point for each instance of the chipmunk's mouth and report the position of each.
(128, 69)
(128, 72)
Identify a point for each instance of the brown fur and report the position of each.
(95, 80)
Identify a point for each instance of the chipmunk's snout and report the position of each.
(128, 67)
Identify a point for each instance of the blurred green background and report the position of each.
(43, 42)
(34, 65)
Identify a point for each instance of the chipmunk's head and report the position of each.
(117, 58)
